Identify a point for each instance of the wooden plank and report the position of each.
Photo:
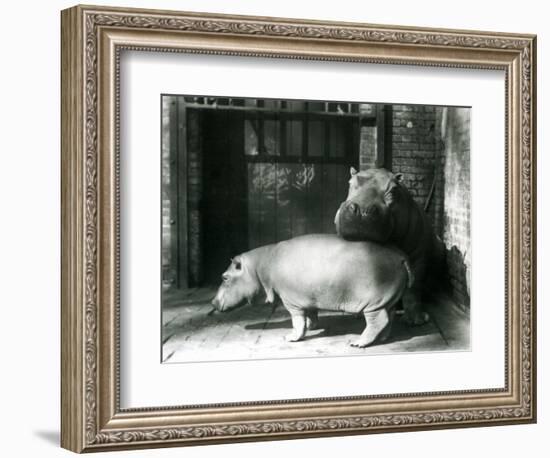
(265, 158)
(271, 112)
(300, 198)
(269, 204)
(330, 197)
(286, 174)
(258, 332)
(338, 183)
(262, 237)
(173, 189)
(182, 203)
(313, 209)
(379, 161)
(388, 135)
(253, 171)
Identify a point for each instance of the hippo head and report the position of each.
(369, 211)
(239, 285)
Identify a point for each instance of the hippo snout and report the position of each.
(354, 210)
(353, 222)
(217, 302)
(351, 208)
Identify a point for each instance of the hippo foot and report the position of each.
(293, 337)
(416, 318)
(360, 343)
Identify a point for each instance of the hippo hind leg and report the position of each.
(378, 326)
(414, 315)
(312, 319)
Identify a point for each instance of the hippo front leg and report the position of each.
(298, 326)
(378, 324)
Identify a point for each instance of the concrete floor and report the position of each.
(191, 334)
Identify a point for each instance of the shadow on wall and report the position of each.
(448, 274)
(458, 276)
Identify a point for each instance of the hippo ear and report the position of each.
(237, 264)
(398, 177)
(352, 171)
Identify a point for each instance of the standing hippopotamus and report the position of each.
(379, 208)
(320, 272)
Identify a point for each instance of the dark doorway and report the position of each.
(224, 204)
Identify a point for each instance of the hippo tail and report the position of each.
(410, 274)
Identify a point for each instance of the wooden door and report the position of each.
(224, 204)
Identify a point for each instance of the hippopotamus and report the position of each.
(320, 272)
(379, 208)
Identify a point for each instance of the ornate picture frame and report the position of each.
(92, 41)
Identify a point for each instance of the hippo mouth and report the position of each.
(353, 223)
(230, 308)
(221, 305)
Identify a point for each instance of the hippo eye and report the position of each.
(353, 184)
(238, 265)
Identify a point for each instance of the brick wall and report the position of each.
(430, 146)
(414, 148)
(455, 218)
(368, 139)
(168, 271)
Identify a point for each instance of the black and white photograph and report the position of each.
(265, 229)
(313, 228)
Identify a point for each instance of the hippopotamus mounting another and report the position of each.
(379, 208)
(320, 272)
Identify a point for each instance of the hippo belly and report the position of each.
(325, 272)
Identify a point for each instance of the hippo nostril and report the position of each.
(354, 207)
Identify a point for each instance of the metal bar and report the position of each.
(264, 158)
(269, 110)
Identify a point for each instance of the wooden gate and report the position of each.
(242, 173)
(286, 200)
(299, 154)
